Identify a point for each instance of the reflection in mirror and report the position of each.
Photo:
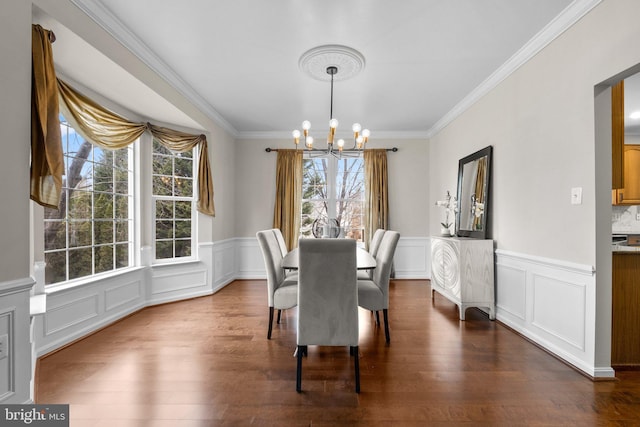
(473, 194)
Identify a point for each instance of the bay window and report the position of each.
(91, 231)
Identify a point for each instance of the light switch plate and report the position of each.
(576, 196)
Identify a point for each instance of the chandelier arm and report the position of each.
(358, 141)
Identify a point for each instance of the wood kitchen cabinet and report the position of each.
(617, 136)
(630, 193)
(625, 310)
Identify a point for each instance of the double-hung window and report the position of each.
(173, 203)
(91, 231)
(333, 189)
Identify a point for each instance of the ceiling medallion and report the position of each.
(315, 62)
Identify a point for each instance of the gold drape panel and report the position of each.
(108, 130)
(47, 163)
(376, 213)
(480, 176)
(286, 214)
(180, 141)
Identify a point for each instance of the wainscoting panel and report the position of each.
(8, 357)
(64, 313)
(250, 261)
(118, 296)
(224, 263)
(178, 281)
(412, 259)
(551, 299)
(552, 303)
(73, 312)
(510, 295)
(15, 360)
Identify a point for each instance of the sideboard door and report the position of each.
(462, 270)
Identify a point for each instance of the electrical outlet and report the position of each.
(4, 346)
(638, 217)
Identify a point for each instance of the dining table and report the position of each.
(364, 260)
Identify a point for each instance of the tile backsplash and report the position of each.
(624, 220)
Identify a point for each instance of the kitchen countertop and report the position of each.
(625, 242)
(625, 248)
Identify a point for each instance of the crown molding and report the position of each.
(105, 19)
(569, 16)
(112, 25)
(379, 135)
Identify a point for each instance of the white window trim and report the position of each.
(194, 213)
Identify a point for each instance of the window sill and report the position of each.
(176, 263)
(85, 281)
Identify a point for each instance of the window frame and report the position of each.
(331, 199)
(193, 218)
(133, 200)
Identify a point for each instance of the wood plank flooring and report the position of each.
(207, 362)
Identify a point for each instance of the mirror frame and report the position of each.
(477, 234)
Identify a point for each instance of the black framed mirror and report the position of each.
(474, 175)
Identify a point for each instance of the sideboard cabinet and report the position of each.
(462, 270)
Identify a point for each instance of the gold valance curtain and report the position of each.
(376, 213)
(95, 123)
(111, 131)
(286, 214)
(47, 163)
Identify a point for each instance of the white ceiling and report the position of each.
(237, 61)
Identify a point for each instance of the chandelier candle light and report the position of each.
(360, 136)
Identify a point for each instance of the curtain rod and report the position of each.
(394, 149)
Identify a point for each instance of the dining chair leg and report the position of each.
(279, 315)
(386, 325)
(377, 317)
(270, 322)
(300, 351)
(355, 352)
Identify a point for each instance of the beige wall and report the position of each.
(15, 131)
(540, 121)
(549, 134)
(408, 185)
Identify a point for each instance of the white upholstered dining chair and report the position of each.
(281, 243)
(282, 289)
(373, 293)
(327, 299)
(373, 250)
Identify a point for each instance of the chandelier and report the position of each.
(360, 136)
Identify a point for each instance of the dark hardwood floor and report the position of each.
(207, 361)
